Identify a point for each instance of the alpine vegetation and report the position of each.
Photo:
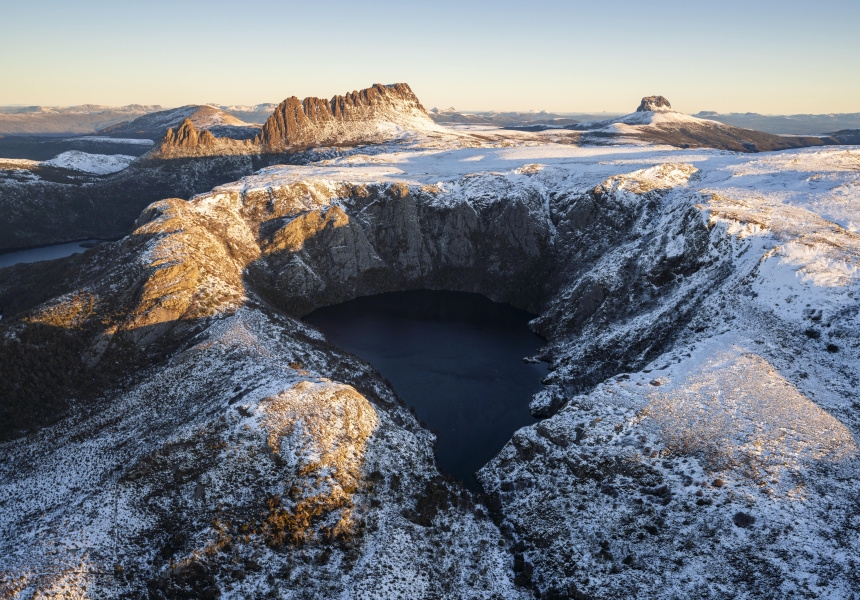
(172, 428)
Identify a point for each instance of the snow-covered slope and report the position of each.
(701, 426)
(97, 164)
(154, 125)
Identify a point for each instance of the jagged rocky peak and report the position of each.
(187, 140)
(316, 120)
(187, 136)
(653, 103)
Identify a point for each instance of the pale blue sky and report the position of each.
(754, 55)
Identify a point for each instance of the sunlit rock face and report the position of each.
(701, 322)
(315, 121)
(652, 103)
(376, 114)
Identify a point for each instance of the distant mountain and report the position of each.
(847, 136)
(801, 124)
(203, 117)
(450, 116)
(373, 115)
(655, 122)
(256, 114)
(83, 119)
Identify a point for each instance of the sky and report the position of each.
(564, 56)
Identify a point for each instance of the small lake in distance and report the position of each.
(45, 253)
(456, 357)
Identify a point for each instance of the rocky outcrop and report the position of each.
(365, 116)
(652, 103)
(349, 118)
(187, 141)
(397, 237)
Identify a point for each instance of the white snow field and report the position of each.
(97, 164)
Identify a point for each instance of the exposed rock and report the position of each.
(358, 117)
(186, 141)
(652, 103)
(349, 118)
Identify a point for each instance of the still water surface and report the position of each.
(44, 253)
(456, 357)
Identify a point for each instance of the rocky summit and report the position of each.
(373, 115)
(315, 121)
(172, 428)
(652, 103)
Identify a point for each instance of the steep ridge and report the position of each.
(186, 141)
(363, 116)
(701, 282)
(377, 114)
(655, 122)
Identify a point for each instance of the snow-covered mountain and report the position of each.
(155, 125)
(256, 113)
(378, 114)
(173, 429)
(655, 122)
(97, 164)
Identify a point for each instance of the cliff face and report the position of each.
(375, 114)
(347, 118)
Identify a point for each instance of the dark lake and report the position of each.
(456, 357)
(29, 255)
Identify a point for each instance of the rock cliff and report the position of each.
(376, 114)
(352, 118)
(187, 141)
(652, 103)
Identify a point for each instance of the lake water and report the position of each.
(456, 357)
(44, 253)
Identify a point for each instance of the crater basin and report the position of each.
(456, 357)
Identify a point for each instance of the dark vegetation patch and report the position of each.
(729, 138)
(742, 519)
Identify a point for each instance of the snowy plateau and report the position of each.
(699, 423)
(97, 164)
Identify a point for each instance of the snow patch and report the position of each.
(97, 164)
